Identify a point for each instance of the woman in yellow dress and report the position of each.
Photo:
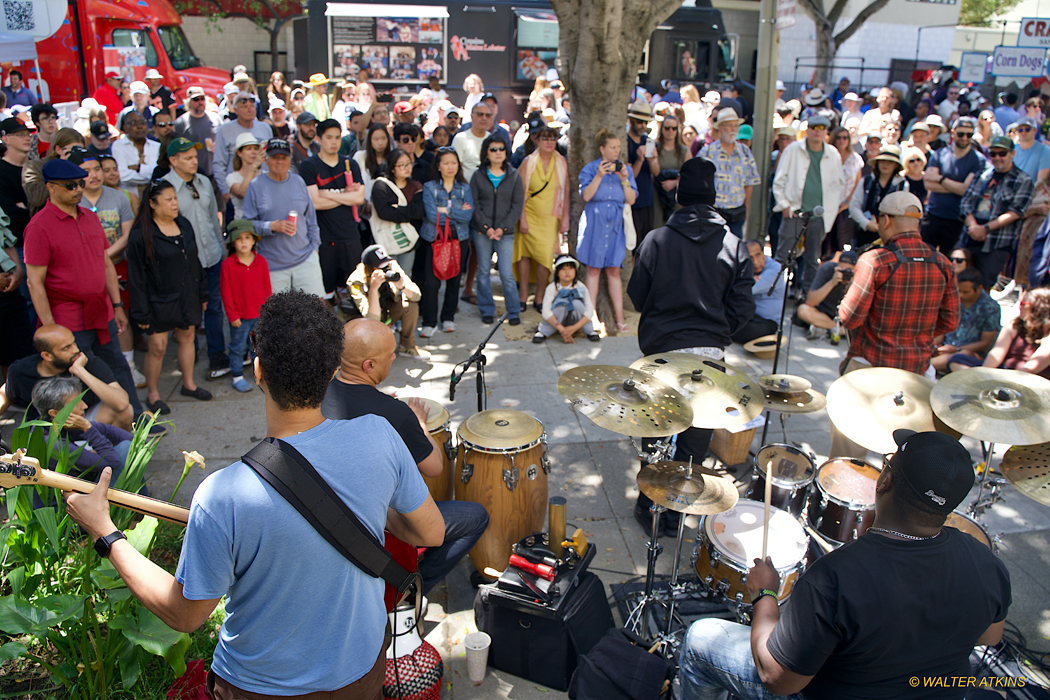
(545, 176)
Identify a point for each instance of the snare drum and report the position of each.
(842, 506)
(437, 425)
(793, 472)
(964, 523)
(729, 542)
(502, 464)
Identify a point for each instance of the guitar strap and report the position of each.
(292, 476)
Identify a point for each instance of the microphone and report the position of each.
(817, 211)
(452, 387)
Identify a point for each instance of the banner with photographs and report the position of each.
(391, 49)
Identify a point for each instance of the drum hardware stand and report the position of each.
(662, 450)
(994, 484)
(479, 359)
(638, 617)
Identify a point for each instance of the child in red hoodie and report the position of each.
(245, 285)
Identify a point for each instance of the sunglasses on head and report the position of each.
(446, 149)
(72, 185)
(548, 137)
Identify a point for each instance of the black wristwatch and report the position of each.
(118, 305)
(104, 544)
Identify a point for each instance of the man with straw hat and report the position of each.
(317, 101)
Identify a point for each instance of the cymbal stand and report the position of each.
(636, 619)
(639, 616)
(661, 450)
(994, 484)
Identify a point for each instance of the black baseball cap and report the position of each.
(12, 125)
(305, 118)
(935, 466)
(848, 256)
(79, 154)
(375, 255)
(278, 146)
(99, 130)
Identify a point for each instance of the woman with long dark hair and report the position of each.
(373, 159)
(447, 201)
(397, 202)
(167, 288)
(1023, 345)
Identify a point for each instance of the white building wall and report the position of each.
(233, 41)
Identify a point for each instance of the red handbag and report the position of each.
(446, 253)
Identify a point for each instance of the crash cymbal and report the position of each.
(685, 488)
(1028, 469)
(808, 401)
(721, 395)
(995, 405)
(867, 405)
(626, 401)
(784, 383)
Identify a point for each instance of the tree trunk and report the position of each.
(826, 50)
(275, 51)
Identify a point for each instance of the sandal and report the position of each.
(198, 393)
(524, 306)
(622, 328)
(158, 407)
(470, 299)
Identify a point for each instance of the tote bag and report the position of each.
(446, 253)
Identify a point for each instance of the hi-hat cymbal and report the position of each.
(995, 405)
(626, 401)
(867, 405)
(685, 488)
(784, 383)
(1028, 469)
(721, 395)
(808, 401)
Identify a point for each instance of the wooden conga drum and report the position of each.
(437, 425)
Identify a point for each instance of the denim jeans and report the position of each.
(213, 316)
(465, 523)
(504, 249)
(87, 342)
(406, 261)
(239, 345)
(716, 659)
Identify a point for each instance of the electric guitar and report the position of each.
(19, 470)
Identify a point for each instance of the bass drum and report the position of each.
(502, 464)
(441, 487)
(964, 523)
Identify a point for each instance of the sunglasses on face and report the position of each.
(1023, 129)
(497, 149)
(670, 128)
(197, 99)
(963, 134)
(73, 185)
(958, 260)
(406, 139)
(483, 115)
(998, 154)
(162, 125)
(915, 160)
(819, 127)
(245, 100)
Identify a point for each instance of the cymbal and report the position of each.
(784, 383)
(626, 401)
(995, 405)
(867, 405)
(721, 395)
(808, 401)
(692, 490)
(1028, 469)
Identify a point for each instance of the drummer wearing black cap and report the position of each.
(886, 616)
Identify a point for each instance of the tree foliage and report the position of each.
(979, 13)
(268, 15)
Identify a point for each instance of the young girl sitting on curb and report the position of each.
(567, 305)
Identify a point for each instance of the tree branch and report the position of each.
(859, 20)
(836, 11)
(815, 12)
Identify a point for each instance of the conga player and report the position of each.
(369, 349)
(892, 614)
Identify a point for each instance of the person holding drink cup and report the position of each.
(279, 207)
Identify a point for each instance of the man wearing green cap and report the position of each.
(198, 204)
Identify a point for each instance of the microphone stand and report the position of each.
(479, 359)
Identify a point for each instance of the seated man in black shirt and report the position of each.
(821, 308)
(59, 356)
(907, 601)
(368, 353)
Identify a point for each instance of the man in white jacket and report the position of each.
(809, 175)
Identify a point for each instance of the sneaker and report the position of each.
(539, 338)
(448, 326)
(427, 331)
(247, 361)
(137, 376)
(218, 365)
(241, 385)
(516, 321)
(216, 372)
(414, 352)
(594, 337)
(813, 333)
(487, 320)
(999, 295)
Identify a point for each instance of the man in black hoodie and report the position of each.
(692, 284)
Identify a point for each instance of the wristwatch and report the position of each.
(118, 305)
(104, 544)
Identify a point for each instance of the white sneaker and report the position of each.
(137, 376)
(448, 326)
(427, 331)
(999, 296)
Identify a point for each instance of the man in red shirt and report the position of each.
(902, 296)
(108, 95)
(71, 279)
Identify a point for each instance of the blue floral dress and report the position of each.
(601, 241)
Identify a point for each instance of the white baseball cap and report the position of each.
(139, 88)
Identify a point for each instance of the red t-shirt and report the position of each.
(74, 252)
(42, 146)
(244, 288)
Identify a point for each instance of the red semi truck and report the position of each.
(129, 36)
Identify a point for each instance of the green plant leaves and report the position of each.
(18, 616)
(149, 632)
(12, 650)
(141, 538)
(48, 520)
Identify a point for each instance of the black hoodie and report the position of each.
(691, 282)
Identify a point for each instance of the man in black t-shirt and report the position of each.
(893, 614)
(334, 183)
(369, 350)
(59, 356)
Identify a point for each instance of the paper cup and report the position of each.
(477, 644)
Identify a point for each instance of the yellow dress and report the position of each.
(541, 241)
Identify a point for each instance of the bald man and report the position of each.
(58, 355)
(369, 350)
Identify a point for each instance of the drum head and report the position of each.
(848, 480)
(737, 535)
(964, 523)
(437, 415)
(501, 428)
(791, 467)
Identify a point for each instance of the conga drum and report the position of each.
(437, 425)
(502, 464)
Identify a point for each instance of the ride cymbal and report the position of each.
(721, 395)
(867, 405)
(1028, 469)
(995, 405)
(626, 401)
(687, 489)
(784, 383)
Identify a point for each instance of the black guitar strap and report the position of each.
(292, 476)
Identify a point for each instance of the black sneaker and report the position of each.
(516, 321)
(218, 365)
(216, 372)
(539, 338)
(594, 337)
(487, 320)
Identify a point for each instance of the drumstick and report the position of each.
(765, 510)
(821, 542)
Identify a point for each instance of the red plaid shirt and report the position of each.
(894, 319)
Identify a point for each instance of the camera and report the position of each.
(619, 166)
(392, 275)
(847, 274)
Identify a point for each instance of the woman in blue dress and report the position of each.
(606, 185)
